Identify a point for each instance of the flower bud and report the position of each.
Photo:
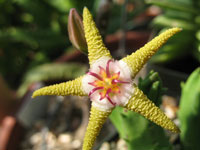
(76, 31)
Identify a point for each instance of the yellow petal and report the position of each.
(96, 121)
(73, 87)
(142, 105)
(137, 60)
(96, 47)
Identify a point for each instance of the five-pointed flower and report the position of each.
(109, 82)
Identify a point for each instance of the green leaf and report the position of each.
(174, 5)
(45, 38)
(61, 5)
(189, 112)
(165, 21)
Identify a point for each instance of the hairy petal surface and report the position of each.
(142, 105)
(73, 87)
(96, 121)
(98, 85)
(96, 47)
(137, 60)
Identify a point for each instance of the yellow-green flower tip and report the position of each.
(142, 105)
(137, 60)
(96, 47)
(73, 87)
(96, 121)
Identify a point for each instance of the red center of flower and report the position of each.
(107, 83)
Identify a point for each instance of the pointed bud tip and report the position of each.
(173, 30)
(177, 130)
(72, 10)
(176, 29)
(34, 95)
(85, 9)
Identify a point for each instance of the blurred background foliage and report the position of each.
(186, 45)
(32, 33)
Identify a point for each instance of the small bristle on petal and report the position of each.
(108, 97)
(95, 75)
(95, 89)
(119, 81)
(107, 68)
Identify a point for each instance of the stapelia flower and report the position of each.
(109, 82)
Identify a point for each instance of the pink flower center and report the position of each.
(107, 83)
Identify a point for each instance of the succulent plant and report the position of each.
(189, 113)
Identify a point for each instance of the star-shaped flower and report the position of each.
(109, 82)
